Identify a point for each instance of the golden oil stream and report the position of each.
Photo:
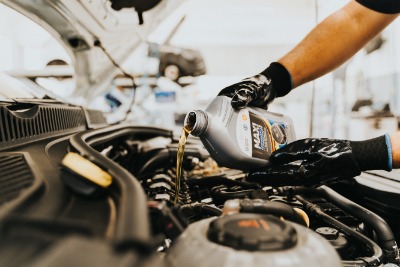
(181, 150)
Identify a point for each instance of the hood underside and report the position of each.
(79, 24)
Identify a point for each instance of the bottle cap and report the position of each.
(254, 232)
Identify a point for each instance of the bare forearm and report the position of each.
(333, 42)
(395, 143)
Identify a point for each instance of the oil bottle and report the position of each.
(240, 139)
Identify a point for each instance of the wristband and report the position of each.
(389, 148)
(281, 78)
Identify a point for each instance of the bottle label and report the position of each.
(258, 137)
(225, 111)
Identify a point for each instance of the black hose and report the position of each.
(219, 180)
(162, 158)
(132, 225)
(108, 134)
(192, 150)
(383, 232)
(377, 256)
(220, 195)
(271, 207)
(290, 191)
(165, 156)
(202, 208)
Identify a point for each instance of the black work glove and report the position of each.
(313, 162)
(261, 89)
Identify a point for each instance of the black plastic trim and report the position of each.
(38, 122)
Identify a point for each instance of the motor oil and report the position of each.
(181, 150)
(241, 139)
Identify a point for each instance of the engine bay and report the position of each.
(52, 215)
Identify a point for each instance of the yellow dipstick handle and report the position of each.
(86, 169)
(303, 215)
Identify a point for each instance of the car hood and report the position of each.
(81, 24)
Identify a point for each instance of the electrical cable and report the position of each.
(386, 238)
(126, 74)
(377, 256)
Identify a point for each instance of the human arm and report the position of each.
(316, 161)
(334, 41)
(327, 46)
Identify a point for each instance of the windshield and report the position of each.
(26, 49)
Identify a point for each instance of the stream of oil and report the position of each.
(181, 149)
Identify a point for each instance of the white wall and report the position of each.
(24, 44)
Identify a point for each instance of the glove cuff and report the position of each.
(281, 78)
(373, 154)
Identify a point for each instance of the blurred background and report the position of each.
(205, 45)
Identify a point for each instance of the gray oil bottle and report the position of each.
(240, 139)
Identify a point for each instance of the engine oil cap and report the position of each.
(253, 232)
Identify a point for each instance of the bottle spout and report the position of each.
(196, 122)
(190, 121)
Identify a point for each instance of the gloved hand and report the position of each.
(313, 162)
(260, 90)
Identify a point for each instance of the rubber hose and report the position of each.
(218, 194)
(203, 209)
(377, 254)
(214, 181)
(383, 232)
(132, 224)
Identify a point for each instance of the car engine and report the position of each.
(76, 192)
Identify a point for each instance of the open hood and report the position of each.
(81, 25)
